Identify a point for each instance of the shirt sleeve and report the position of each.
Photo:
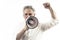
(48, 25)
(25, 36)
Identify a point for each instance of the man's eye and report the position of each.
(25, 14)
(30, 14)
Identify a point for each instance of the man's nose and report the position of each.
(28, 15)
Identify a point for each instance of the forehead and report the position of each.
(28, 11)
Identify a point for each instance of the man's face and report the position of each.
(27, 13)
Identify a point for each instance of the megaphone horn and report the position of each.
(32, 22)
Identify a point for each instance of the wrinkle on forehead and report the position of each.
(28, 11)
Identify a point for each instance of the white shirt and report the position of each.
(33, 34)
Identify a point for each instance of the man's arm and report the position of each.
(47, 6)
(20, 35)
(54, 21)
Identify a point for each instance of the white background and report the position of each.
(11, 15)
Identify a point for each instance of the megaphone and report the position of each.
(32, 22)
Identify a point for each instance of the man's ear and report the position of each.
(34, 14)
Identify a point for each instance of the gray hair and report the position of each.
(28, 7)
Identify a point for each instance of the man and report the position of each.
(31, 34)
